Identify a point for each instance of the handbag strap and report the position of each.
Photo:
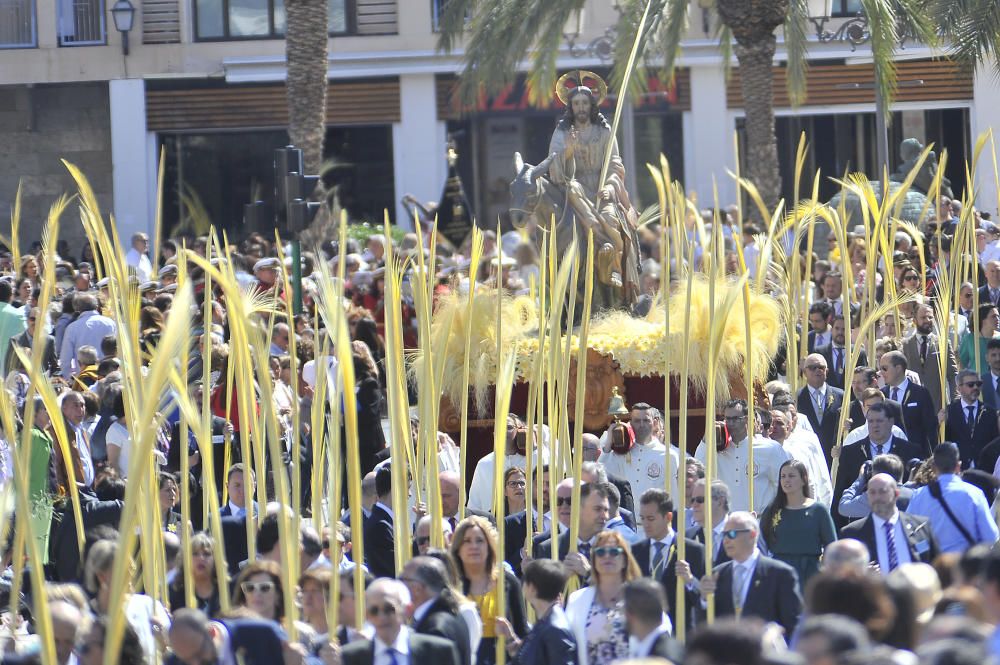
(935, 490)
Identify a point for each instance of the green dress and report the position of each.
(800, 536)
(967, 353)
(38, 488)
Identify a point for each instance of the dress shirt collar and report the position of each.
(973, 404)
(236, 510)
(750, 564)
(886, 445)
(385, 508)
(667, 540)
(879, 521)
(401, 644)
(420, 612)
(821, 391)
(901, 388)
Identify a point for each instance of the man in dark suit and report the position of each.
(386, 602)
(892, 537)
(919, 419)
(991, 375)
(752, 584)
(923, 350)
(237, 489)
(435, 609)
(835, 354)
(879, 441)
(594, 512)
(644, 605)
(656, 554)
(49, 359)
(551, 640)
(820, 402)
(989, 293)
(864, 377)
(380, 541)
(195, 639)
(720, 499)
(970, 423)
(819, 325)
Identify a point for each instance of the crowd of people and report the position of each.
(870, 543)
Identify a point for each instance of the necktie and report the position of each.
(657, 566)
(838, 360)
(452, 521)
(739, 576)
(971, 419)
(584, 549)
(392, 656)
(923, 348)
(895, 394)
(890, 546)
(879, 449)
(819, 405)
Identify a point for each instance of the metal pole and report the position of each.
(881, 135)
(296, 276)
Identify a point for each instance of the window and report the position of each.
(81, 22)
(17, 24)
(257, 19)
(846, 7)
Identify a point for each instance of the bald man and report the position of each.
(820, 402)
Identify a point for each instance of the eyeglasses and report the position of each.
(973, 384)
(813, 368)
(608, 551)
(516, 484)
(388, 610)
(733, 534)
(421, 541)
(698, 499)
(564, 501)
(257, 587)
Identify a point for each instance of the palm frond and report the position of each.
(796, 43)
(973, 29)
(725, 34)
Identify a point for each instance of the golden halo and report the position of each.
(581, 77)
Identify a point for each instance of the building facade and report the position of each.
(202, 85)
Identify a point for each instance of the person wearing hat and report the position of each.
(136, 257)
(267, 272)
(167, 275)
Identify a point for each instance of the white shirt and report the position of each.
(644, 466)
(886, 447)
(731, 464)
(481, 490)
(820, 339)
(899, 539)
(235, 510)
(119, 437)
(900, 389)
(859, 433)
(805, 447)
(818, 396)
(141, 263)
(401, 646)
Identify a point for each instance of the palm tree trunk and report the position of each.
(757, 78)
(306, 41)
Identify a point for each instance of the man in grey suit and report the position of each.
(394, 643)
(923, 349)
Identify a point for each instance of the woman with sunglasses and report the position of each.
(984, 321)
(596, 613)
(474, 547)
(206, 587)
(258, 588)
(910, 282)
(796, 527)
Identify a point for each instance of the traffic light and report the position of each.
(253, 216)
(292, 189)
(301, 214)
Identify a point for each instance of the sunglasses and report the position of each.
(257, 587)
(813, 368)
(608, 551)
(973, 384)
(733, 534)
(698, 499)
(911, 278)
(388, 610)
(564, 501)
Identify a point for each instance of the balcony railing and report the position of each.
(81, 22)
(17, 24)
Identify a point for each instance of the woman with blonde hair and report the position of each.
(596, 613)
(474, 549)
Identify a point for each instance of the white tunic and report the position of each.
(805, 447)
(644, 467)
(731, 466)
(481, 490)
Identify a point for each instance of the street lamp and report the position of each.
(123, 13)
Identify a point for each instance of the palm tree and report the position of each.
(306, 56)
(501, 32)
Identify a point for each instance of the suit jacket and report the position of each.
(666, 647)
(971, 440)
(627, 501)
(515, 531)
(773, 593)
(852, 458)
(987, 459)
(827, 429)
(989, 393)
(550, 641)
(234, 542)
(919, 417)
(50, 361)
(642, 551)
(811, 344)
(833, 377)
(856, 416)
(253, 641)
(380, 543)
(440, 621)
(63, 546)
(427, 649)
(927, 369)
(919, 536)
(984, 295)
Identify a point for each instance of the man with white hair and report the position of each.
(394, 642)
(751, 584)
(68, 625)
(136, 257)
(422, 534)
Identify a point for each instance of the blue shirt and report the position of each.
(967, 503)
